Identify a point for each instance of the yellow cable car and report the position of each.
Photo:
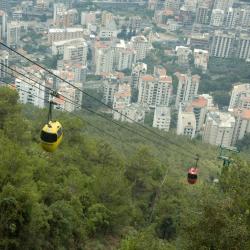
(52, 133)
(51, 136)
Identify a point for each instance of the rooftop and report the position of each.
(199, 102)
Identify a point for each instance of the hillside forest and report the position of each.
(122, 192)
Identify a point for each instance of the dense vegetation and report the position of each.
(98, 193)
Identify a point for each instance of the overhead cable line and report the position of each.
(48, 88)
(81, 106)
(84, 92)
(89, 110)
(89, 123)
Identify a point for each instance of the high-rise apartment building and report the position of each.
(4, 5)
(242, 124)
(199, 107)
(187, 88)
(219, 129)
(239, 92)
(201, 58)
(186, 124)
(243, 48)
(162, 118)
(76, 53)
(13, 34)
(138, 70)
(155, 91)
(222, 44)
(32, 93)
(223, 4)
(4, 59)
(202, 14)
(124, 56)
(104, 58)
(55, 35)
(3, 25)
(183, 54)
(141, 46)
(88, 18)
(217, 17)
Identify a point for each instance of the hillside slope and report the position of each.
(97, 192)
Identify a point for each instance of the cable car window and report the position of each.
(59, 132)
(48, 137)
(192, 176)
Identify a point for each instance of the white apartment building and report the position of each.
(30, 92)
(88, 18)
(174, 5)
(243, 51)
(13, 33)
(217, 17)
(55, 35)
(133, 112)
(76, 53)
(183, 54)
(4, 59)
(3, 24)
(104, 59)
(187, 88)
(106, 18)
(186, 124)
(242, 124)
(59, 9)
(141, 46)
(124, 56)
(221, 44)
(139, 69)
(58, 47)
(162, 118)
(154, 91)
(201, 58)
(241, 90)
(219, 129)
(110, 87)
(122, 99)
(223, 4)
(63, 104)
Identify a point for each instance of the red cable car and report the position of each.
(192, 175)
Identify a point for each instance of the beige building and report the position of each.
(155, 91)
(239, 97)
(242, 124)
(55, 35)
(219, 129)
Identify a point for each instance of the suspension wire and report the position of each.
(84, 92)
(89, 123)
(89, 110)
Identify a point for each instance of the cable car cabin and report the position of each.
(51, 136)
(192, 175)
